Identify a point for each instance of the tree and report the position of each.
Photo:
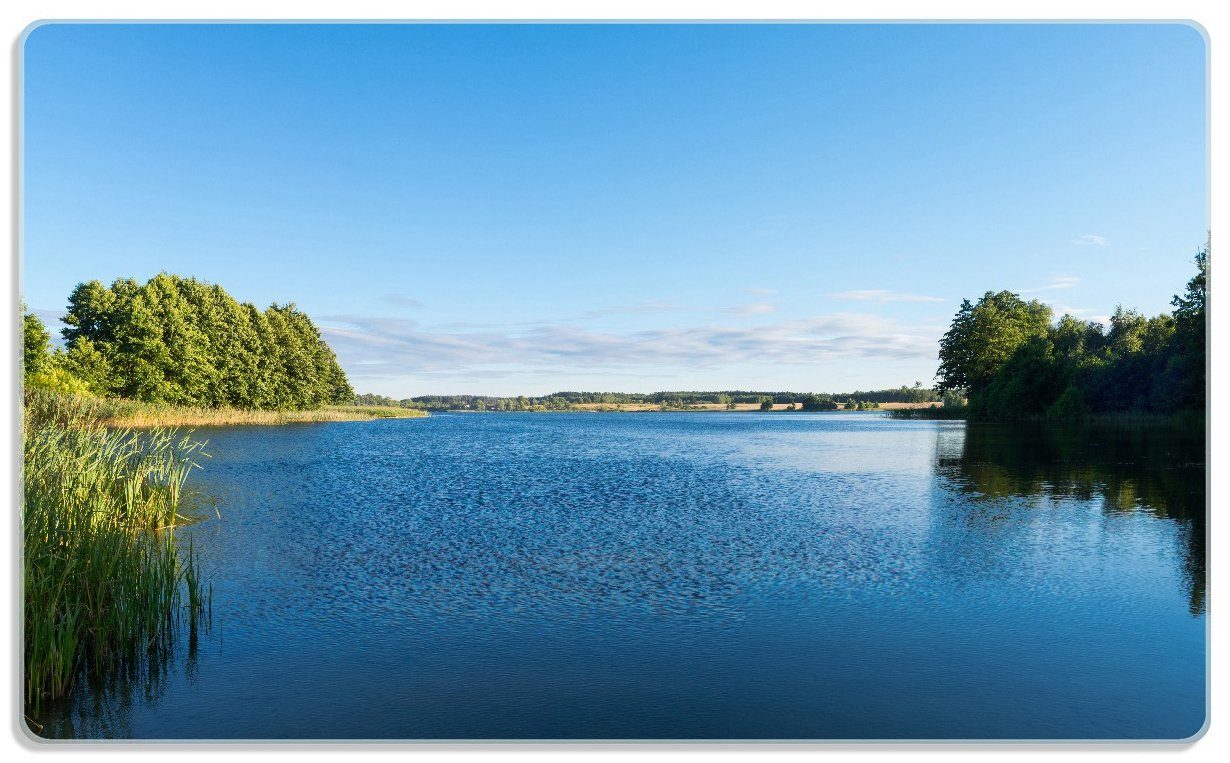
(1189, 353)
(953, 399)
(1024, 386)
(983, 336)
(85, 362)
(766, 403)
(36, 341)
(1013, 364)
(179, 340)
(814, 402)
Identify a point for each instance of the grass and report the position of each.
(935, 411)
(105, 583)
(133, 414)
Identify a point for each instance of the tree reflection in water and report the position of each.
(1129, 468)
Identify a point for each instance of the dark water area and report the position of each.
(685, 575)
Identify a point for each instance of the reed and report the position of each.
(943, 413)
(68, 408)
(105, 582)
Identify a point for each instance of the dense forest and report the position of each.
(185, 342)
(1013, 361)
(563, 401)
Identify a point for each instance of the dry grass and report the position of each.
(131, 414)
(176, 416)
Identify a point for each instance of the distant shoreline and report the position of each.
(696, 408)
(738, 407)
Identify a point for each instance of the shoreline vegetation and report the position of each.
(106, 586)
(1013, 361)
(118, 413)
(614, 402)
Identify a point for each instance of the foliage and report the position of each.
(1014, 364)
(35, 343)
(104, 580)
(180, 341)
(815, 402)
(55, 378)
(984, 336)
(934, 411)
(1186, 369)
(1070, 406)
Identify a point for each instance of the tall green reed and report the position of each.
(105, 583)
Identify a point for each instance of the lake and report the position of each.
(685, 575)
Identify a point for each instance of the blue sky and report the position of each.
(519, 209)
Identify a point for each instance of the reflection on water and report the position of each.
(685, 576)
(1152, 469)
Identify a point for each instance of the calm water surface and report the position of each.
(682, 575)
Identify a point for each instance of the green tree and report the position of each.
(1024, 386)
(1187, 371)
(814, 402)
(36, 341)
(180, 340)
(85, 362)
(984, 336)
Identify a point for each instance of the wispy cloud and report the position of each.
(1062, 309)
(381, 348)
(882, 296)
(642, 307)
(1055, 282)
(759, 291)
(401, 300)
(1090, 239)
(754, 308)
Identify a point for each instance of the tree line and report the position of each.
(564, 401)
(1014, 361)
(185, 342)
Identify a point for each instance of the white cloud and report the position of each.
(380, 348)
(882, 295)
(1062, 309)
(1054, 282)
(754, 308)
(644, 306)
(760, 291)
(401, 300)
(1090, 239)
